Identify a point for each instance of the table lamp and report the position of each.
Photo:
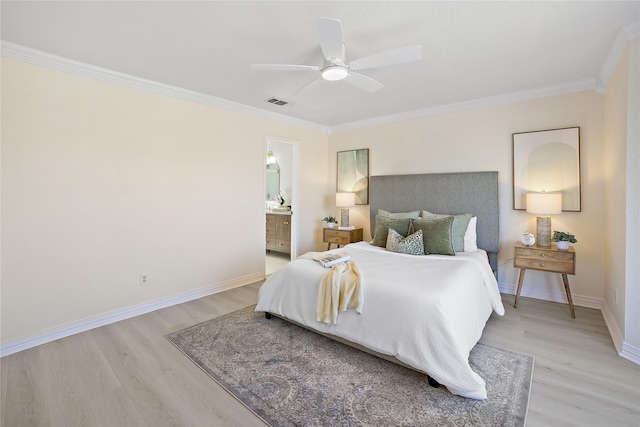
(345, 201)
(544, 204)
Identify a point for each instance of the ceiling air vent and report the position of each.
(277, 101)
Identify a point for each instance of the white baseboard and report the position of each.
(631, 353)
(125, 313)
(555, 295)
(623, 348)
(614, 330)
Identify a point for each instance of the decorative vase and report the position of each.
(331, 224)
(563, 246)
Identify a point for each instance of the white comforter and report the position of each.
(427, 311)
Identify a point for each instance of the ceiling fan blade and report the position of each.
(285, 67)
(330, 35)
(363, 82)
(389, 57)
(307, 88)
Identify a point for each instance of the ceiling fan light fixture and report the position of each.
(334, 73)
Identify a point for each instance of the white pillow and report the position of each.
(470, 244)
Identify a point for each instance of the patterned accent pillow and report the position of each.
(413, 244)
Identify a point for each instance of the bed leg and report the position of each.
(267, 315)
(433, 383)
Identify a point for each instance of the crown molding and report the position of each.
(55, 62)
(624, 36)
(36, 57)
(587, 84)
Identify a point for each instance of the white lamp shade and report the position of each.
(345, 200)
(544, 203)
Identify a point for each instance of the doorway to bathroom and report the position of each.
(280, 203)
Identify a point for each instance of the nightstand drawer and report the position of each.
(337, 236)
(545, 259)
(544, 254)
(341, 237)
(545, 265)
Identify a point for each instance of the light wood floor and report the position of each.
(274, 261)
(128, 374)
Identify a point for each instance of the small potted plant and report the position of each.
(330, 220)
(563, 239)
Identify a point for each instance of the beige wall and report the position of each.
(622, 172)
(615, 168)
(480, 140)
(632, 293)
(101, 183)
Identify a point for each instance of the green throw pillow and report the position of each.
(383, 223)
(413, 244)
(436, 235)
(460, 224)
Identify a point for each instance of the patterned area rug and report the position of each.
(290, 376)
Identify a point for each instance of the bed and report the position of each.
(426, 312)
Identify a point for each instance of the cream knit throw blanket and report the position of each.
(340, 289)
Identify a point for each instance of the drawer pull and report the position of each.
(541, 265)
(286, 223)
(543, 254)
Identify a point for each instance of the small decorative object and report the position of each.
(330, 220)
(528, 239)
(279, 198)
(563, 239)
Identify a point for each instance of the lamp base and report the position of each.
(543, 231)
(344, 217)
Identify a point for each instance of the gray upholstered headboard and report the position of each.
(444, 193)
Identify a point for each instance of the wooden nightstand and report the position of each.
(545, 258)
(341, 237)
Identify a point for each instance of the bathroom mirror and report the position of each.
(273, 180)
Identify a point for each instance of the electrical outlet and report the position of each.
(616, 296)
(144, 280)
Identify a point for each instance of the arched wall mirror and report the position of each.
(273, 177)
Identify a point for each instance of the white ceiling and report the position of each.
(471, 50)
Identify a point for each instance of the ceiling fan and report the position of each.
(335, 68)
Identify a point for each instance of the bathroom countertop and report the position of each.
(279, 213)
